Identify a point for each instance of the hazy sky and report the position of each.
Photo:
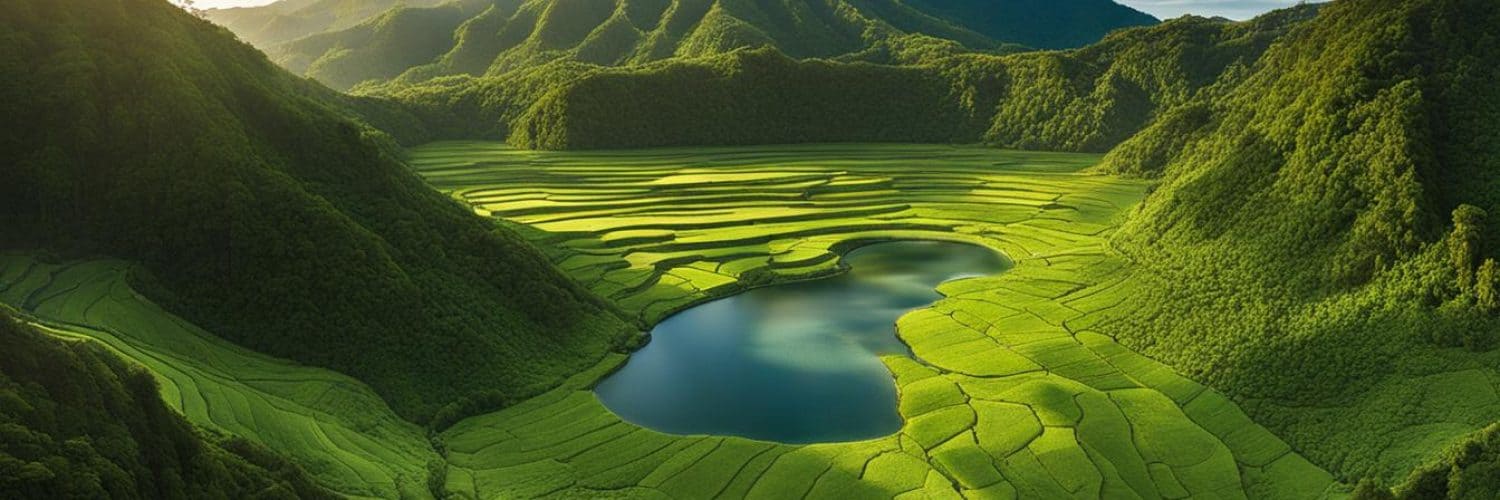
(1165, 9)
(1233, 9)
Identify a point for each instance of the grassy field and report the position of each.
(1014, 392)
(330, 424)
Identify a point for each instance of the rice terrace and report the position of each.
(749, 249)
(1008, 391)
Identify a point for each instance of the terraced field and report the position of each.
(332, 425)
(1012, 392)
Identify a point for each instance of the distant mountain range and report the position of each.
(344, 43)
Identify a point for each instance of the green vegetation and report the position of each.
(260, 213)
(1044, 24)
(1317, 247)
(910, 89)
(381, 48)
(288, 20)
(1288, 289)
(493, 37)
(76, 422)
(1470, 469)
(1016, 392)
(334, 427)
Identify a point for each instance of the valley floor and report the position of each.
(1013, 392)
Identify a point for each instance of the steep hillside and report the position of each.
(134, 130)
(1321, 218)
(498, 36)
(509, 35)
(384, 46)
(80, 423)
(287, 20)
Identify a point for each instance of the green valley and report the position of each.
(1017, 392)
(521, 248)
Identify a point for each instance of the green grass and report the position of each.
(1015, 392)
(332, 425)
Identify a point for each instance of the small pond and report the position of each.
(793, 363)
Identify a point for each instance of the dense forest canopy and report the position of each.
(260, 212)
(912, 88)
(1318, 236)
(345, 43)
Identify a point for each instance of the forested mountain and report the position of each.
(134, 130)
(1319, 230)
(77, 422)
(1044, 24)
(288, 20)
(1083, 100)
(494, 37)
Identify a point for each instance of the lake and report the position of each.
(793, 363)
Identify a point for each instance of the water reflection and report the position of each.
(794, 363)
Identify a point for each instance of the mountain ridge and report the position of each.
(261, 212)
(494, 37)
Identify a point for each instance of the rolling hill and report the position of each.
(257, 210)
(81, 423)
(288, 20)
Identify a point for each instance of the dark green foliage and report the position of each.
(137, 131)
(558, 74)
(502, 36)
(497, 36)
(437, 478)
(1318, 229)
(1468, 470)
(751, 97)
(77, 422)
(1085, 100)
(1464, 242)
(1369, 490)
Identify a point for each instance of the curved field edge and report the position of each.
(333, 426)
(1015, 392)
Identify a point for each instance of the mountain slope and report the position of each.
(288, 20)
(1044, 24)
(137, 131)
(1321, 218)
(498, 36)
(1084, 100)
(80, 423)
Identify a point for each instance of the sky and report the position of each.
(1233, 9)
(1165, 9)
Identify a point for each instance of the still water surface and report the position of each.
(794, 363)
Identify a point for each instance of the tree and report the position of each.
(191, 6)
(1464, 241)
(1487, 297)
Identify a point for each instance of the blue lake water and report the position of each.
(794, 363)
